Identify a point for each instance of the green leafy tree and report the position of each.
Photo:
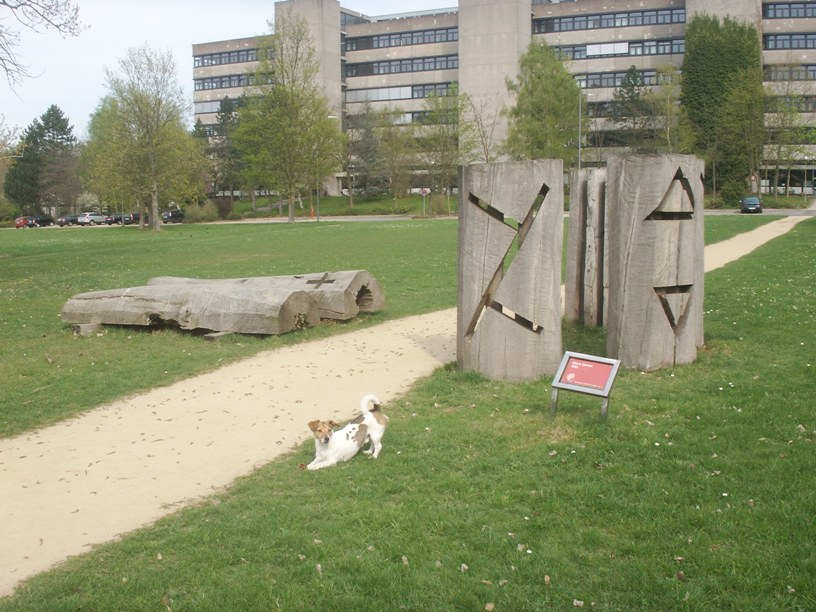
(44, 169)
(163, 161)
(718, 56)
(543, 123)
(743, 131)
(286, 132)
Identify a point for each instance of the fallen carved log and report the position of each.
(245, 310)
(260, 305)
(339, 295)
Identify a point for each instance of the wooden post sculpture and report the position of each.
(655, 316)
(586, 285)
(509, 279)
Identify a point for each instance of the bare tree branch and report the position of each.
(61, 16)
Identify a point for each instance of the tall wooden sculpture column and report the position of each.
(655, 235)
(509, 281)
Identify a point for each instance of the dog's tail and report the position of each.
(370, 403)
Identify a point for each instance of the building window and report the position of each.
(789, 41)
(402, 39)
(222, 82)
(417, 64)
(382, 94)
(790, 73)
(227, 57)
(606, 80)
(788, 10)
(608, 20)
(649, 47)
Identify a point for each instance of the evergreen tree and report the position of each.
(44, 169)
(631, 112)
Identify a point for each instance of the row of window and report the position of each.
(789, 41)
(418, 64)
(608, 20)
(222, 82)
(646, 47)
(786, 10)
(214, 106)
(355, 121)
(401, 39)
(227, 57)
(381, 94)
(597, 80)
(801, 104)
(790, 73)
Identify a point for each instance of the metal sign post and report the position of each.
(586, 374)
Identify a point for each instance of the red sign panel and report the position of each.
(586, 374)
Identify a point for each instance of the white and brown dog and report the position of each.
(332, 447)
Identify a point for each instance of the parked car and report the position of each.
(114, 218)
(67, 220)
(129, 218)
(751, 204)
(90, 218)
(22, 222)
(173, 216)
(41, 221)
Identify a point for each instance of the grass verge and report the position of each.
(695, 494)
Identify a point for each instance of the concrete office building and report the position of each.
(398, 60)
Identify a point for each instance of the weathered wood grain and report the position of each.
(655, 234)
(339, 295)
(509, 306)
(214, 307)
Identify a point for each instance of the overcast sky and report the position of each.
(70, 72)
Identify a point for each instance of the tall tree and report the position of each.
(787, 129)
(670, 133)
(286, 131)
(544, 120)
(44, 172)
(743, 132)
(7, 138)
(478, 119)
(149, 106)
(365, 150)
(631, 111)
(717, 56)
(227, 163)
(397, 145)
(38, 15)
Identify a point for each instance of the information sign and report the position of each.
(586, 374)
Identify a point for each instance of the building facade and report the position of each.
(399, 60)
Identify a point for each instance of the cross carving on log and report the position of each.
(322, 280)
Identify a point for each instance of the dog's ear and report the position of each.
(332, 424)
(313, 425)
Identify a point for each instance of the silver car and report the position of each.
(90, 218)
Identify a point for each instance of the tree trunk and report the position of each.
(291, 204)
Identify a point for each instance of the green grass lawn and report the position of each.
(697, 493)
(51, 374)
